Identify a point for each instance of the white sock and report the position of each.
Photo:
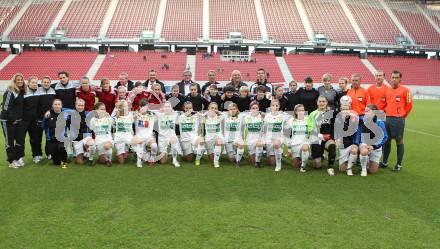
(139, 150)
(304, 158)
(153, 149)
(351, 159)
(174, 151)
(239, 154)
(91, 150)
(199, 152)
(364, 162)
(278, 155)
(217, 152)
(258, 153)
(109, 153)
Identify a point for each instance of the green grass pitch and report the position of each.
(42, 206)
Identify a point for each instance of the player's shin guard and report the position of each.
(217, 153)
(400, 152)
(239, 154)
(258, 153)
(331, 155)
(91, 151)
(199, 152)
(278, 156)
(153, 149)
(351, 160)
(386, 152)
(174, 151)
(304, 158)
(364, 162)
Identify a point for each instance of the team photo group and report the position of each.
(260, 123)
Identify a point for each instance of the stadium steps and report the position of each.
(261, 21)
(58, 18)
(434, 25)
(108, 19)
(160, 19)
(284, 68)
(205, 31)
(93, 70)
(6, 61)
(305, 20)
(191, 62)
(396, 21)
(353, 22)
(16, 20)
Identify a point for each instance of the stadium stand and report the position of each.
(3, 55)
(248, 69)
(315, 65)
(49, 63)
(416, 71)
(328, 18)
(374, 21)
(137, 65)
(142, 16)
(415, 23)
(233, 16)
(7, 13)
(183, 20)
(36, 20)
(283, 22)
(80, 22)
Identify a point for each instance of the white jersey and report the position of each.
(212, 127)
(102, 127)
(232, 127)
(166, 124)
(274, 126)
(253, 127)
(124, 124)
(189, 127)
(145, 124)
(299, 131)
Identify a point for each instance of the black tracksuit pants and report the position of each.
(14, 140)
(57, 150)
(35, 132)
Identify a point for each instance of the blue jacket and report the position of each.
(363, 129)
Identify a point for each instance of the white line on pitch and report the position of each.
(422, 132)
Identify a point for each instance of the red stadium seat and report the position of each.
(137, 67)
(49, 64)
(183, 20)
(248, 69)
(133, 16)
(7, 13)
(80, 22)
(315, 65)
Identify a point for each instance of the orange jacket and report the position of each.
(399, 102)
(359, 99)
(378, 95)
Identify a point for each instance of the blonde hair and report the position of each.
(327, 76)
(122, 107)
(13, 86)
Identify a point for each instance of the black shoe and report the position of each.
(237, 164)
(257, 165)
(397, 168)
(383, 165)
(91, 162)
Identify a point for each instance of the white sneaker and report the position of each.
(37, 159)
(139, 163)
(14, 165)
(277, 168)
(20, 162)
(364, 172)
(302, 170)
(49, 157)
(331, 172)
(176, 163)
(349, 172)
(216, 164)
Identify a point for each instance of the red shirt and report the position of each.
(378, 95)
(138, 98)
(399, 102)
(88, 97)
(359, 99)
(108, 98)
